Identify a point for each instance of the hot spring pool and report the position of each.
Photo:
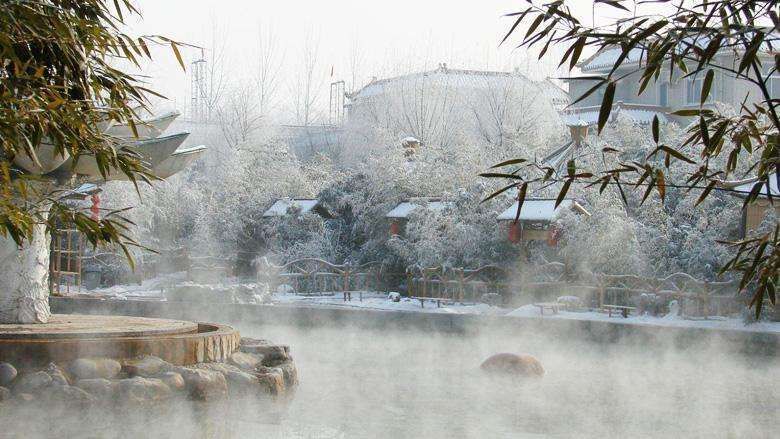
(408, 384)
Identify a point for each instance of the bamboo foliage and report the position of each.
(700, 38)
(58, 87)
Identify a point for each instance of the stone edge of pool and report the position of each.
(312, 316)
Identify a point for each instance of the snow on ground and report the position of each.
(382, 301)
(671, 320)
(152, 289)
(148, 289)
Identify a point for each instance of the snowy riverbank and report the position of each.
(153, 289)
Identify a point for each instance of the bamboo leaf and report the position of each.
(175, 48)
(520, 200)
(656, 129)
(706, 86)
(562, 193)
(499, 192)
(606, 106)
(509, 162)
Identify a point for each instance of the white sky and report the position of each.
(392, 37)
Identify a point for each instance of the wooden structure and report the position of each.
(315, 277)
(755, 213)
(399, 215)
(67, 252)
(464, 285)
(67, 244)
(536, 219)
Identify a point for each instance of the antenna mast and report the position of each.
(198, 95)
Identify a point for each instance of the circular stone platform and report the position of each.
(84, 326)
(68, 337)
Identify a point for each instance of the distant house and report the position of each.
(432, 105)
(399, 215)
(296, 206)
(757, 211)
(661, 96)
(536, 219)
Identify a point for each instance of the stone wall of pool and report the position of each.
(750, 342)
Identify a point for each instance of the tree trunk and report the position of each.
(24, 279)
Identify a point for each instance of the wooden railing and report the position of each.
(494, 284)
(696, 297)
(596, 291)
(316, 277)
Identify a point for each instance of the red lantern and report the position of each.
(95, 209)
(554, 235)
(515, 233)
(395, 228)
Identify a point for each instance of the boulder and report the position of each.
(271, 380)
(223, 368)
(7, 373)
(86, 368)
(289, 372)
(245, 361)
(204, 385)
(146, 366)
(58, 376)
(32, 382)
(239, 381)
(272, 354)
(174, 380)
(99, 387)
(139, 389)
(70, 395)
(521, 365)
(5, 394)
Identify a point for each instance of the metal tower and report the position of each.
(337, 95)
(198, 90)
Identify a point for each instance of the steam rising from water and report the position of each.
(357, 383)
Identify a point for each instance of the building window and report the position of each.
(663, 95)
(694, 90)
(773, 85)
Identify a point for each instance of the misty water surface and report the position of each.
(370, 384)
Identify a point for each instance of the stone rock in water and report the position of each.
(245, 360)
(98, 387)
(272, 380)
(139, 389)
(146, 366)
(204, 385)
(58, 376)
(289, 372)
(70, 394)
(7, 373)
(32, 382)
(86, 368)
(172, 380)
(5, 394)
(272, 354)
(521, 365)
(241, 381)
